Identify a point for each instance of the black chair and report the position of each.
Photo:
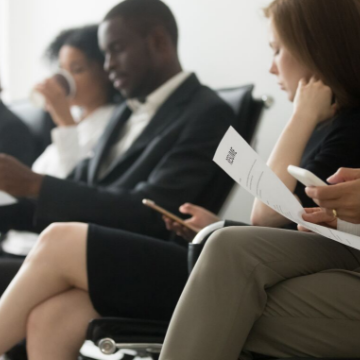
(248, 112)
(38, 121)
(146, 337)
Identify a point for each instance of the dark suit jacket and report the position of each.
(170, 163)
(15, 137)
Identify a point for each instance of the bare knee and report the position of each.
(55, 240)
(58, 232)
(61, 320)
(38, 319)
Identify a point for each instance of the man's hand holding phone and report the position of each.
(200, 218)
(185, 228)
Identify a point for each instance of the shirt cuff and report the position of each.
(347, 227)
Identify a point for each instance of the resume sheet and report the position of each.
(236, 157)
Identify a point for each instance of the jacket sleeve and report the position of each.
(181, 174)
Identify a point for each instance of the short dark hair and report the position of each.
(146, 14)
(85, 39)
(324, 35)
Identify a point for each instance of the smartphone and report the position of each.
(168, 214)
(306, 177)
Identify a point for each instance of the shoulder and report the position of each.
(346, 118)
(205, 105)
(196, 95)
(206, 96)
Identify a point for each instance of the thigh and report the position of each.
(62, 320)
(284, 253)
(131, 275)
(316, 315)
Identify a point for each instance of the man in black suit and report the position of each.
(159, 145)
(15, 137)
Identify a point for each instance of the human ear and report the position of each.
(159, 39)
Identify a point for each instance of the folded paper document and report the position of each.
(245, 166)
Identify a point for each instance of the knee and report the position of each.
(43, 321)
(51, 241)
(231, 242)
(228, 238)
(40, 319)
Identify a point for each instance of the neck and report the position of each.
(163, 76)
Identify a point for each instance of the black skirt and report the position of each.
(134, 276)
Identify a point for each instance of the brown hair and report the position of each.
(324, 35)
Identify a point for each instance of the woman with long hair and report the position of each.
(277, 292)
(305, 47)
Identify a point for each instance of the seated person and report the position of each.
(112, 272)
(319, 142)
(159, 145)
(15, 137)
(161, 149)
(76, 51)
(276, 292)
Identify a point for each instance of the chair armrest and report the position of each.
(122, 329)
(206, 231)
(195, 247)
(112, 334)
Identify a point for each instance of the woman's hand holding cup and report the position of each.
(55, 94)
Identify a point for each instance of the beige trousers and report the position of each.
(275, 292)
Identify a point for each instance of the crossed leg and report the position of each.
(50, 286)
(261, 289)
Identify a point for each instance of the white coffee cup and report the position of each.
(67, 82)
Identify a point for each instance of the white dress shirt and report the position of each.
(142, 113)
(71, 144)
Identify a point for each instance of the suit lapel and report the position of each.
(165, 116)
(109, 137)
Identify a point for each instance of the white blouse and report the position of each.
(71, 144)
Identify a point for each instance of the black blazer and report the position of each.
(15, 138)
(170, 163)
